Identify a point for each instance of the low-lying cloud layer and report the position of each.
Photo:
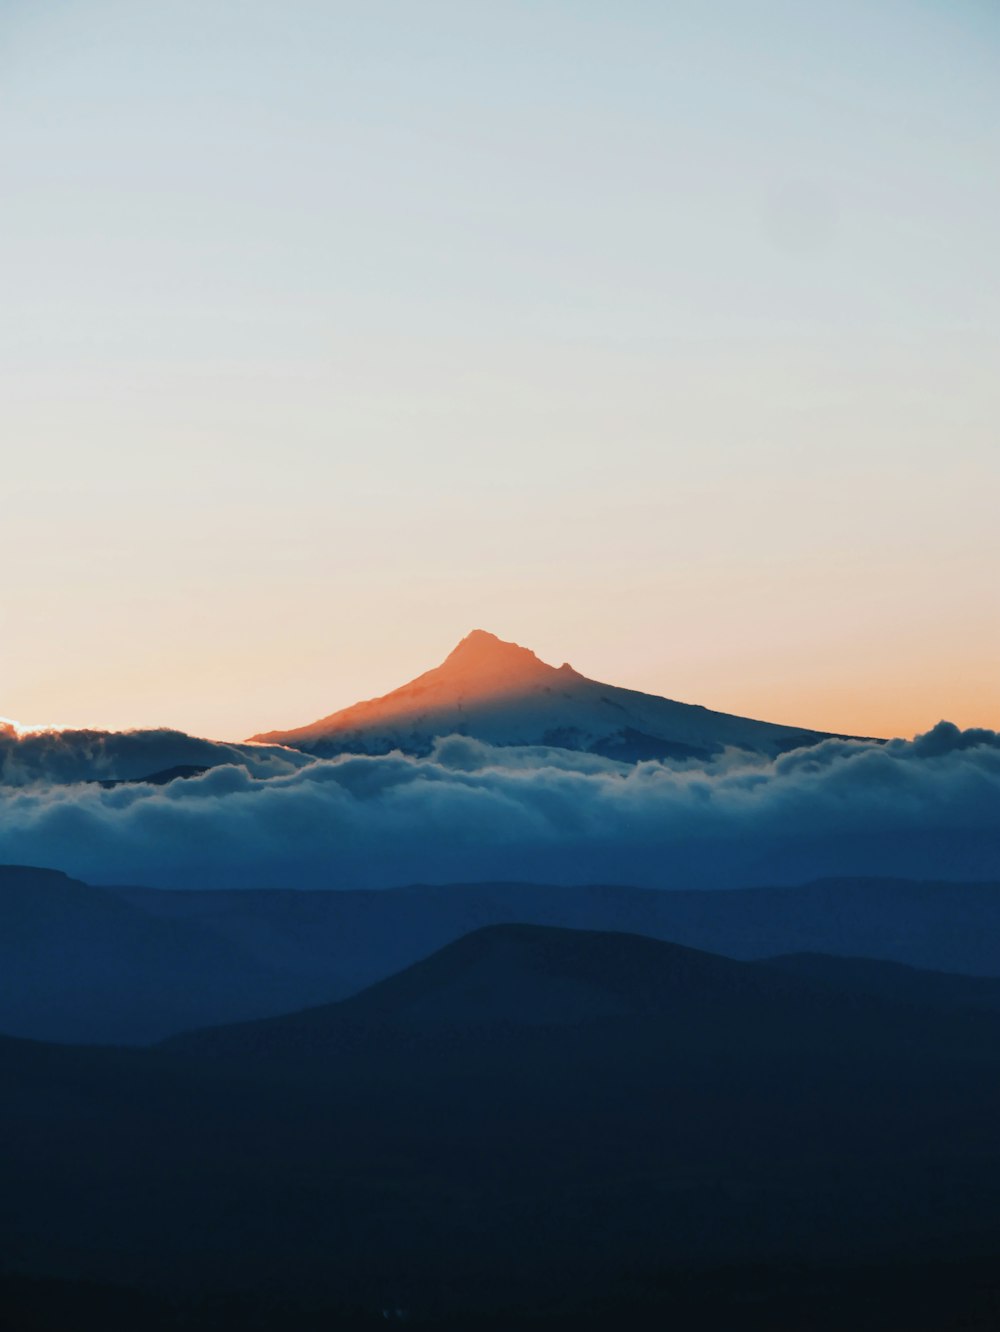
(926, 808)
(61, 758)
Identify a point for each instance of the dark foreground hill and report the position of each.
(517, 978)
(529, 1120)
(520, 978)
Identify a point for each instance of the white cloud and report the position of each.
(929, 807)
(29, 757)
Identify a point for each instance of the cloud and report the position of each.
(51, 757)
(924, 808)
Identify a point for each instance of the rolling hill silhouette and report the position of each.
(79, 963)
(523, 976)
(529, 1117)
(510, 978)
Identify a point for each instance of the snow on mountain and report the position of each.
(501, 693)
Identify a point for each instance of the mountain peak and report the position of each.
(481, 651)
(486, 666)
(501, 693)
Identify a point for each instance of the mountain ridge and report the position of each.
(84, 963)
(513, 976)
(521, 974)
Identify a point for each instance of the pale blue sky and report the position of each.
(662, 337)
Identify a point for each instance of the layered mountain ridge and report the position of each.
(80, 963)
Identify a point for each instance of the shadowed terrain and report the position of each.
(80, 963)
(531, 1118)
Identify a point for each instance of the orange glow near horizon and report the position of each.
(831, 700)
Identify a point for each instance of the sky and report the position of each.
(661, 338)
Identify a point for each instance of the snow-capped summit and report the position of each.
(483, 664)
(502, 693)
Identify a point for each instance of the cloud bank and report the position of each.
(49, 757)
(924, 808)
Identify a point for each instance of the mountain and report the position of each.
(532, 1118)
(505, 977)
(349, 939)
(501, 693)
(894, 982)
(79, 963)
(509, 976)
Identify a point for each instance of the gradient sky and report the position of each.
(662, 338)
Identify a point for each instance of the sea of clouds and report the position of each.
(266, 816)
